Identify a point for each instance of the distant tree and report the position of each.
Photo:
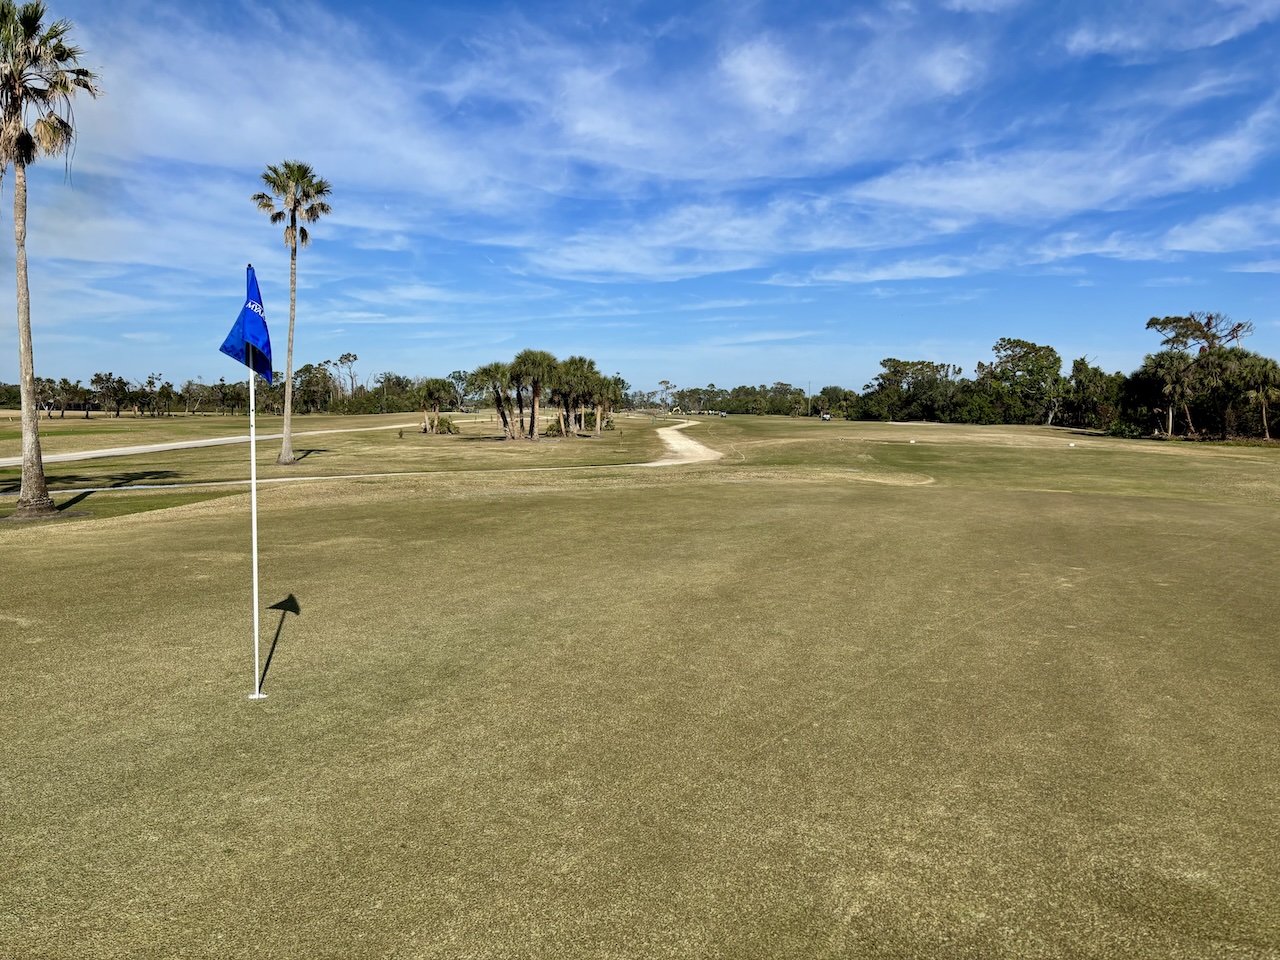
(1200, 330)
(64, 394)
(347, 364)
(459, 379)
(1024, 378)
(435, 392)
(83, 396)
(302, 198)
(577, 376)
(494, 379)
(666, 388)
(193, 393)
(613, 394)
(46, 395)
(1091, 396)
(1175, 372)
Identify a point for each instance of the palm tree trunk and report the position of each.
(500, 405)
(286, 445)
(33, 496)
(534, 391)
(1169, 428)
(599, 418)
(1266, 430)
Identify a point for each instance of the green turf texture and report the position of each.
(836, 695)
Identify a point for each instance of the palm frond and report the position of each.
(299, 192)
(39, 75)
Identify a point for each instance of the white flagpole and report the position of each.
(253, 511)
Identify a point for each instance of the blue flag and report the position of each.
(249, 342)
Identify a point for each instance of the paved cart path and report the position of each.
(183, 445)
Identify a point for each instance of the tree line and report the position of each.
(1201, 384)
(518, 391)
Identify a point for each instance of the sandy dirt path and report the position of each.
(683, 449)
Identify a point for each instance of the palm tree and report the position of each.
(301, 194)
(534, 367)
(39, 76)
(1176, 373)
(598, 395)
(576, 376)
(1262, 376)
(495, 378)
(434, 392)
(613, 393)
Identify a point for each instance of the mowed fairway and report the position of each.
(836, 695)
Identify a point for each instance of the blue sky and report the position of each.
(699, 192)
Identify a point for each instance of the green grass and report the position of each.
(894, 700)
(364, 445)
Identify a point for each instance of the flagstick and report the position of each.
(253, 512)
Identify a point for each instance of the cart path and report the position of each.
(683, 449)
(185, 445)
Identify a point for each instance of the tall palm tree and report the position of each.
(534, 367)
(302, 197)
(40, 73)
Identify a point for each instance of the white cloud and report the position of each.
(1258, 266)
(1171, 282)
(951, 69)
(932, 268)
(758, 337)
(760, 72)
(1136, 29)
(1115, 245)
(1234, 229)
(981, 6)
(1029, 184)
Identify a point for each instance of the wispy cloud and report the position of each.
(1143, 27)
(757, 338)
(1235, 228)
(1114, 172)
(1258, 266)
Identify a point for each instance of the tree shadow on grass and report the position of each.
(303, 454)
(114, 481)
